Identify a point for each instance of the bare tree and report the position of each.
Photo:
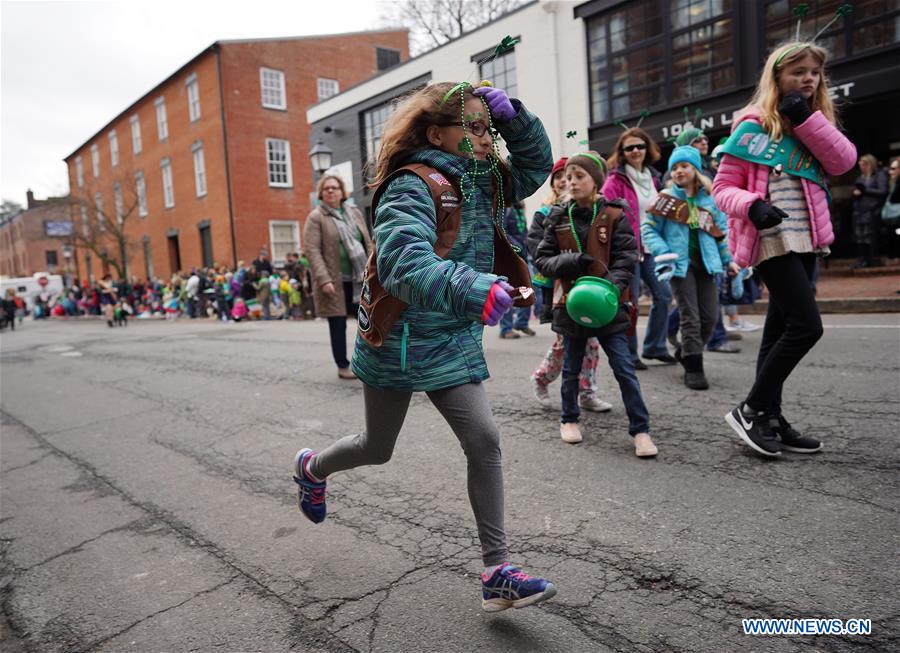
(433, 22)
(103, 229)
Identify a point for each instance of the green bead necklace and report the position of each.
(572, 223)
(469, 177)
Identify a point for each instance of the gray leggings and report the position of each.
(468, 413)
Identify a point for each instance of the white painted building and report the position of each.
(546, 70)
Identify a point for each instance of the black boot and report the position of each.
(693, 372)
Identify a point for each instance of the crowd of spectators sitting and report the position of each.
(255, 291)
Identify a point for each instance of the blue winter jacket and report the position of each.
(663, 236)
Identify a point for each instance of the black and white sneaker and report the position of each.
(791, 439)
(755, 431)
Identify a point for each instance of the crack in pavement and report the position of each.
(309, 633)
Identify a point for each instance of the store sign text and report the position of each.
(725, 119)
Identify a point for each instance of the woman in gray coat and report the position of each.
(869, 193)
(337, 246)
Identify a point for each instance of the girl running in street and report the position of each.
(771, 183)
(585, 236)
(435, 344)
(685, 227)
(550, 367)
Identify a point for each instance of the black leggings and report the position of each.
(793, 326)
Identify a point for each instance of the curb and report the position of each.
(833, 305)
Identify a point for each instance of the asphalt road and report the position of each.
(147, 503)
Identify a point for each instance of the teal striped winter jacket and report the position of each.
(436, 342)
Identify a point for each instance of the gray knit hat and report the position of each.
(592, 162)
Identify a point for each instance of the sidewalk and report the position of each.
(841, 289)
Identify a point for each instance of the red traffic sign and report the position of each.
(43, 281)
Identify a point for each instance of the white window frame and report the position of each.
(98, 204)
(95, 160)
(79, 172)
(85, 227)
(140, 187)
(271, 88)
(135, 134)
(168, 186)
(193, 95)
(113, 148)
(326, 88)
(120, 204)
(162, 120)
(295, 245)
(270, 162)
(199, 168)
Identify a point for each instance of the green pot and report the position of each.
(593, 302)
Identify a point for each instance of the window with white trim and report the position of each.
(271, 83)
(193, 93)
(98, 205)
(113, 148)
(85, 227)
(162, 121)
(168, 188)
(284, 238)
(95, 160)
(79, 172)
(199, 169)
(120, 207)
(140, 185)
(135, 134)
(278, 160)
(327, 87)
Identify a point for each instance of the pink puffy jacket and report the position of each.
(739, 183)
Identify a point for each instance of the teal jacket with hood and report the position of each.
(663, 236)
(436, 342)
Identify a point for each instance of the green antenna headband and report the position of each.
(799, 12)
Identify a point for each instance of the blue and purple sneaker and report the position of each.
(508, 587)
(311, 491)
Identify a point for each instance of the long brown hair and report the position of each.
(617, 157)
(405, 131)
(768, 94)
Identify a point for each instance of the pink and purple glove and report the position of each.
(498, 301)
(498, 102)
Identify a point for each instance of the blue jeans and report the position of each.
(655, 337)
(522, 313)
(616, 349)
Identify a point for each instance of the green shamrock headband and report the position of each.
(799, 12)
(595, 159)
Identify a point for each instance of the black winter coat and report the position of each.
(554, 264)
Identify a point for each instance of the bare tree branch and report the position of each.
(433, 22)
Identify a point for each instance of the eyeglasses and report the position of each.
(477, 127)
(640, 147)
(700, 139)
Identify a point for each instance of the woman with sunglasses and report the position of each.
(633, 179)
(337, 244)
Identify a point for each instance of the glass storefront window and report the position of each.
(873, 24)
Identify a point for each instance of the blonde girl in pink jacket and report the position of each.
(772, 185)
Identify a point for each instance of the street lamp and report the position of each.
(67, 254)
(320, 157)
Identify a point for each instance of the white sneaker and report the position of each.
(540, 393)
(570, 432)
(741, 325)
(594, 403)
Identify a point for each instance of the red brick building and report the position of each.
(212, 164)
(34, 239)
